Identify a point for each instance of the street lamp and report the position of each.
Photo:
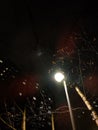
(59, 77)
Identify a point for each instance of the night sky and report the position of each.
(36, 40)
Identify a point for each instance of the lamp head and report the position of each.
(59, 76)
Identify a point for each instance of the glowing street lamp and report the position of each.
(59, 77)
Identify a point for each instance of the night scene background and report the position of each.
(36, 40)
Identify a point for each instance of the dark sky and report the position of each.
(26, 27)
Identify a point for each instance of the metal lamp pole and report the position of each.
(60, 77)
(69, 106)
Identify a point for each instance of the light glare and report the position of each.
(59, 77)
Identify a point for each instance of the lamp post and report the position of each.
(59, 77)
